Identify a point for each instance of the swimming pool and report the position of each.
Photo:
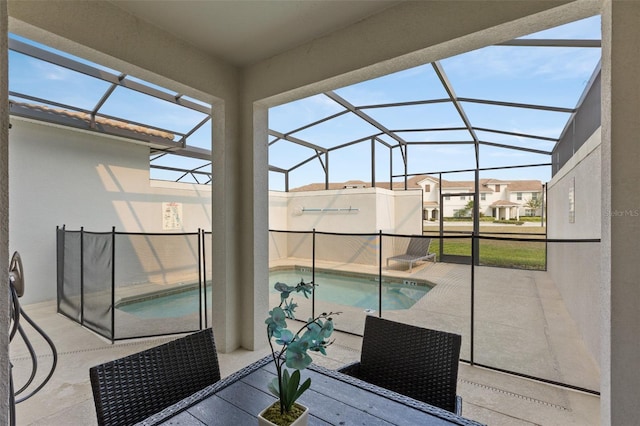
(360, 291)
(169, 305)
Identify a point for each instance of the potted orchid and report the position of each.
(312, 336)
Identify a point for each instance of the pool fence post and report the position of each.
(82, 275)
(313, 273)
(204, 279)
(200, 305)
(113, 283)
(59, 270)
(380, 274)
(473, 262)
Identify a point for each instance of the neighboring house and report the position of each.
(498, 198)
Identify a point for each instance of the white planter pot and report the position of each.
(303, 420)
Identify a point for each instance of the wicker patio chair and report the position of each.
(413, 361)
(132, 388)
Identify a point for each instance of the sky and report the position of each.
(550, 76)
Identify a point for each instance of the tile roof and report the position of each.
(525, 185)
(98, 120)
(504, 203)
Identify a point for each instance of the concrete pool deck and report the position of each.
(521, 324)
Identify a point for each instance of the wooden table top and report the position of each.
(333, 399)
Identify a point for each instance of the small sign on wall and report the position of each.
(572, 200)
(171, 216)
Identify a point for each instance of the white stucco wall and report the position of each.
(408, 213)
(4, 216)
(278, 242)
(67, 177)
(62, 176)
(575, 267)
(373, 210)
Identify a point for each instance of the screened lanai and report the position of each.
(499, 108)
(500, 112)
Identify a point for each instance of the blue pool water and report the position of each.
(173, 305)
(360, 292)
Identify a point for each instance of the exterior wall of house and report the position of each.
(431, 192)
(67, 177)
(522, 198)
(495, 193)
(455, 202)
(575, 267)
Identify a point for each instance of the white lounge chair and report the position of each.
(418, 250)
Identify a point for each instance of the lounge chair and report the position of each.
(413, 361)
(130, 389)
(418, 250)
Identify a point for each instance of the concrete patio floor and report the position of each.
(490, 397)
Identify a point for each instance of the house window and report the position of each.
(497, 188)
(483, 197)
(446, 197)
(534, 195)
(462, 197)
(519, 196)
(427, 188)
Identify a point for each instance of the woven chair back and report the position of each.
(413, 361)
(132, 388)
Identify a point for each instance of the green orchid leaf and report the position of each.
(305, 385)
(273, 387)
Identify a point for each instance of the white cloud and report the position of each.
(515, 62)
(360, 95)
(507, 153)
(53, 73)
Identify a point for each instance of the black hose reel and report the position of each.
(16, 290)
(16, 274)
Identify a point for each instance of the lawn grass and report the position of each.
(514, 254)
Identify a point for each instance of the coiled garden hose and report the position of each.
(16, 288)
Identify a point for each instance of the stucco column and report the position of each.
(225, 208)
(4, 219)
(620, 218)
(254, 231)
(240, 206)
(240, 225)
